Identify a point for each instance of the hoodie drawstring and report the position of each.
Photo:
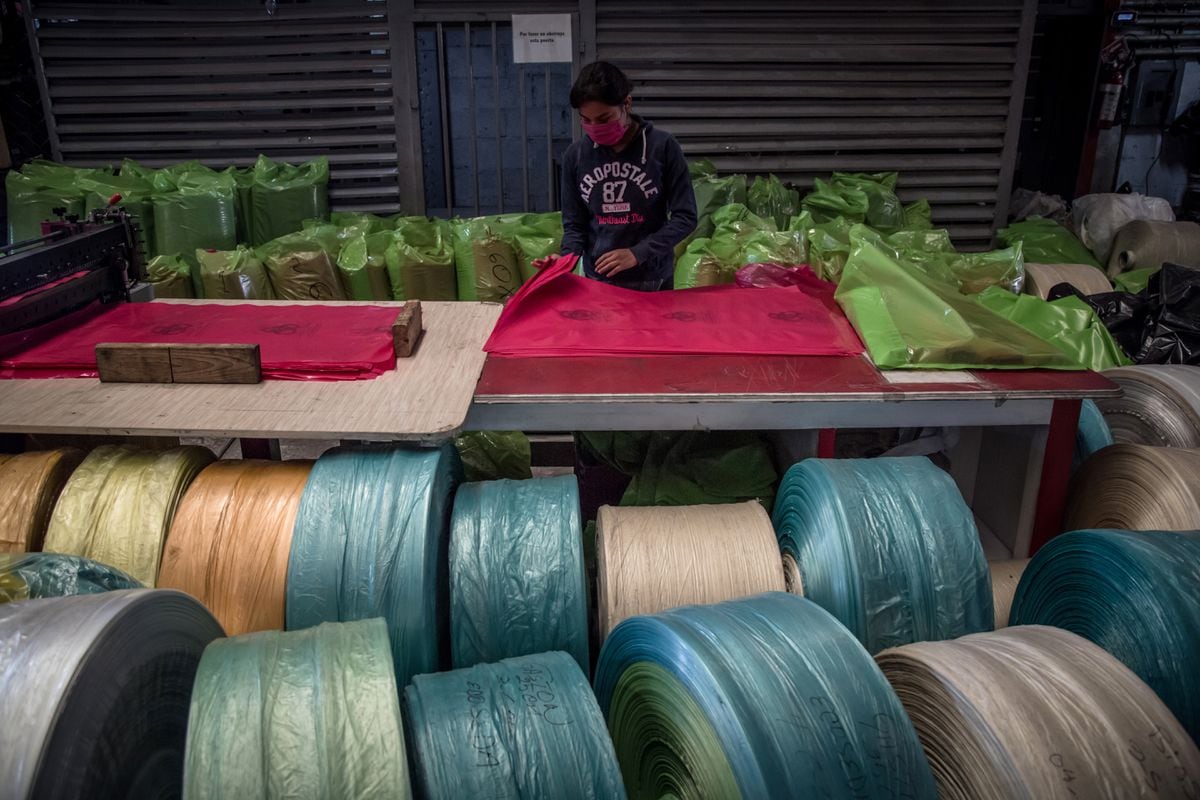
(643, 145)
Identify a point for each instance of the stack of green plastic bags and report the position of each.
(494, 255)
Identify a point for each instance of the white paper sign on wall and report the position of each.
(541, 38)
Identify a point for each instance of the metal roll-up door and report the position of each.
(223, 81)
(929, 88)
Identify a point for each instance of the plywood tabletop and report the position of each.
(426, 397)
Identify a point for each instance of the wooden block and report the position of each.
(216, 363)
(406, 330)
(134, 363)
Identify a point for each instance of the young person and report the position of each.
(627, 197)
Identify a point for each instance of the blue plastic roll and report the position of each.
(525, 728)
(1133, 593)
(370, 541)
(1091, 434)
(31, 575)
(516, 571)
(798, 707)
(887, 546)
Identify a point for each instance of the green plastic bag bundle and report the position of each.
(26, 576)
(1069, 324)
(711, 193)
(493, 455)
(485, 258)
(362, 263)
(775, 247)
(701, 167)
(370, 223)
(918, 216)
(1044, 241)
(243, 181)
(171, 276)
(538, 236)
(770, 199)
(284, 195)
(200, 213)
(706, 262)
(300, 266)
(906, 318)
(858, 197)
(828, 246)
(236, 274)
(420, 262)
(35, 192)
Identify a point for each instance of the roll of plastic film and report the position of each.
(887, 546)
(1038, 712)
(118, 506)
(304, 714)
(1135, 487)
(370, 541)
(1006, 575)
(525, 727)
(1133, 594)
(229, 543)
(94, 693)
(1160, 405)
(1041, 278)
(765, 696)
(35, 575)
(30, 484)
(516, 571)
(1091, 434)
(652, 559)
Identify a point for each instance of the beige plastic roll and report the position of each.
(1148, 243)
(1041, 278)
(1037, 712)
(1159, 404)
(653, 559)
(1005, 577)
(1134, 487)
(30, 484)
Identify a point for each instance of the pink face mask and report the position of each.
(605, 133)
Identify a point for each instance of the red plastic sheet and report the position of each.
(296, 342)
(559, 314)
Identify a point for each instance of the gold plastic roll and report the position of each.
(1041, 278)
(230, 541)
(653, 559)
(1037, 712)
(30, 484)
(1006, 575)
(118, 505)
(1135, 487)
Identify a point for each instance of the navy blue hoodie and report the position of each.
(640, 198)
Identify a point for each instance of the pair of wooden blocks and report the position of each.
(218, 363)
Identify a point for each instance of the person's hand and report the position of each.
(541, 263)
(615, 261)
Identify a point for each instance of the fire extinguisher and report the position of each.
(1115, 58)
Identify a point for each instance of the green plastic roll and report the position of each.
(307, 714)
(762, 697)
(887, 546)
(1133, 593)
(526, 728)
(516, 571)
(370, 541)
(25, 576)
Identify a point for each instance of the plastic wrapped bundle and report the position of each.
(492, 455)
(301, 268)
(769, 198)
(171, 276)
(30, 485)
(766, 696)
(1099, 217)
(1159, 405)
(485, 257)
(370, 541)
(119, 504)
(516, 571)
(1133, 594)
(282, 196)
(1038, 712)
(25, 576)
(229, 543)
(307, 714)
(1091, 434)
(235, 274)
(537, 236)
(526, 727)
(420, 263)
(36, 190)
(199, 214)
(362, 264)
(94, 693)
(1135, 487)
(887, 546)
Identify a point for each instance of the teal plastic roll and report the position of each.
(887, 546)
(1091, 434)
(32, 575)
(370, 541)
(525, 728)
(1133, 593)
(766, 696)
(516, 571)
(307, 714)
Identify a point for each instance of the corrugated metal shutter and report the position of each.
(223, 81)
(930, 88)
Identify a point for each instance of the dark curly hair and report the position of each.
(602, 82)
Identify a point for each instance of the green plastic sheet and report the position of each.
(492, 455)
(198, 213)
(25, 576)
(302, 715)
(1135, 281)
(171, 276)
(1069, 324)
(236, 274)
(516, 571)
(1044, 241)
(420, 263)
(283, 195)
(932, 252)
(521, 729)
(300, 265)
(770, 199)
(362, 264)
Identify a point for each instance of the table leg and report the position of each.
(260, 448)
(1056, 472)
(827, 443)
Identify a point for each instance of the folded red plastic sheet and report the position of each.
(558, 314)
(297, 342)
